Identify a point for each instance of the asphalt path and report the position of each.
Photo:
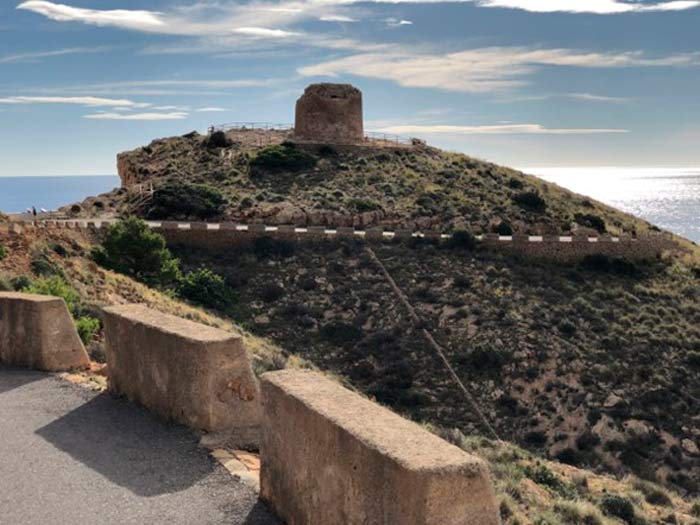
(69, 455)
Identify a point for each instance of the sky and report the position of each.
(524, 83)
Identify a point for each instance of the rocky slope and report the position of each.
(531, 490)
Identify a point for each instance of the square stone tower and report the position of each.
(329, 114)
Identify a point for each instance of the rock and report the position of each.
(690, 447)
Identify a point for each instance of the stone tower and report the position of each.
(329, 114)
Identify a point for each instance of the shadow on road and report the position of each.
(130, 447)
(11, 378)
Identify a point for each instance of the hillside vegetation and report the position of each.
(415, 187)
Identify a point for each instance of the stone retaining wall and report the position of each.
(37, 331)
(551, 247)
(331, 456)
(184, 371)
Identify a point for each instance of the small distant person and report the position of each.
(34, 213)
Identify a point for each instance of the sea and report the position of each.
(50, 193)
(667, 197)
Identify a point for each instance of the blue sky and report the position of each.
(519, 82)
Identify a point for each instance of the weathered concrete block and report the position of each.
(345, 231)
(256, 229)
(199, 226)
(403, 235)
(191, 373)
(36, 331)
(331, 456)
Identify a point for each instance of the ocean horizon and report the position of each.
(666, 197)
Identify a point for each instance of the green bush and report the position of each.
(132, 248)
(218, 139)
(186, 201)
(530, 200)
(591, 221)
(42, 265)
(5, 284)
(3, 252)
(57, 287)
(87, 327)
(618, 507)
(206, 288)
(461, 240)
(283, 157)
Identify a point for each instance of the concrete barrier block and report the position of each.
(316, 231)
(199, 226)
(228, 226)
(286, 230)
(37, 331)
(168, 225)
(184, 371)
(332, 456)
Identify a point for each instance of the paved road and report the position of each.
(68, 455)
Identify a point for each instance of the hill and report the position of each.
(532, 490)
(417, 187)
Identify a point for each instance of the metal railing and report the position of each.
(370, 136)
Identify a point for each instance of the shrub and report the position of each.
(87, 326)
(514, 183)
(206, 288)
(362, 205)
(541, 475)
(132, 248)
(578, 513)
(41, 264)
(461, 240)
(618, 507)
(591, 221)
(218, 139)
(503, 228)
(530, 200)
(21, 282)
(186, 201)
(283, 157)
(5, 284)
(3, 252)
(653, 494)
(339, 333)
(56, 287)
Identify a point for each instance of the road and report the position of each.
(69, 455)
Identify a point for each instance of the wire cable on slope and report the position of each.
(432, 342)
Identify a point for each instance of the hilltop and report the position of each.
(232, 177)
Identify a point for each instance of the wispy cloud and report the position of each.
(337, 18)
(211, 110)
(481, 70)
(263, 32)
(36, 56)
(500, 129)
(602, 7)
(128, 19)
(137, 116)
(397, 22)
(83, 101)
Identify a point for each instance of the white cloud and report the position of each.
(480, 70)
(396, 22)
(128, 19)
(337, 18)
(36, 56)
(211, 110)
(501, 129)
(137, 116)
(83, 101)
(263, 32)
(603, 7)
